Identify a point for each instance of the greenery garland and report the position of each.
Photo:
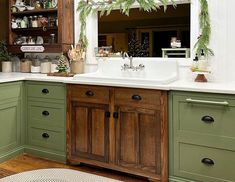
(86, 7)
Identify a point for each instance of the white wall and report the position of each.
(222, 40)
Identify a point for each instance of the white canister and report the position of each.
(35, 69)
(45, 67)
(6, 66)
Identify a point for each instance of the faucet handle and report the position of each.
(141, 66)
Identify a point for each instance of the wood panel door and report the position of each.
(89, 131)
(138, 139)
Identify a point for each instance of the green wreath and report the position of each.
(86, 7)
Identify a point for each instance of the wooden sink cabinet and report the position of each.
(123, 129)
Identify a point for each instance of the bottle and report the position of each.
(35, 22)
(195, 63)
(202, 63)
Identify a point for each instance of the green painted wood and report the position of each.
(48, 154)
(189, 163)
(55, 91)
(11, 120)
(55, 140)
(54, 124)
(10, 126)
(46, 114)
(10, 91)
(191, 139)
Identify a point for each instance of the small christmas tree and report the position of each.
(62, 66)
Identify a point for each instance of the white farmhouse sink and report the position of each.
(155, 72)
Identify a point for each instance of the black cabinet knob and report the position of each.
(207, 119)
(89, 93)
(45, 91)
(136, 97)
(45, 135)
(207, 161)
(45, 113)
(115, 115)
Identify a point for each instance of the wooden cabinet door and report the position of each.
(138, 139)
(89, 131)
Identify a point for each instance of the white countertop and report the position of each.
(180, 85)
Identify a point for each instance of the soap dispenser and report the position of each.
(195, 63)
(202, 63)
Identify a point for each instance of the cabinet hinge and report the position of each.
(115, 115)
(107, 114)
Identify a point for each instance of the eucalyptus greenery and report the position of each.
(86, 7)
(205, 28)
(4, 54)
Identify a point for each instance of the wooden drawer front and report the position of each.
(203, 118)
(10, 90)
(93, 94)
(196, 162)
(46, 114)
(50, 139)
(137, 97)
(47, 91)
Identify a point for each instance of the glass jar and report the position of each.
(52, 39)
(25, 65)
(54, 64)
(38, 5)
(36, 65)
(46, 65)
(15, 64)
(35, 22)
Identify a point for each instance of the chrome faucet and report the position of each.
(130, 59)
(131, 66)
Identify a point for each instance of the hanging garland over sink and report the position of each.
(86, 7)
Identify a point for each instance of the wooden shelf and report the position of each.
(33, 12)
(33, 29)
(49, 48)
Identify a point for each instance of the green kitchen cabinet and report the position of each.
(11, 120)
(202, 137)
(46, 119)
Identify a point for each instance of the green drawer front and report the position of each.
(189, 163)
(45, 138)
(10, 90)
(202, 118)
(46, 114)
(46, 91)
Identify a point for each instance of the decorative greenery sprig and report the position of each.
(4, 54)
(86, 7)
(205, 28)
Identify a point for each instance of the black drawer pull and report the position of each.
(89, 93)
(45, 113)
(207, 161)
(45, 91)
(207, 119)
(45, 135)
(136, 97)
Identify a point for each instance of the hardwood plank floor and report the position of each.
(27, 162)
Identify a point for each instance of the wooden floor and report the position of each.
(26, 163)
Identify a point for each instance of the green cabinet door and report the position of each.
(11, 137)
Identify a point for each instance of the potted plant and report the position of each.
(5, 57)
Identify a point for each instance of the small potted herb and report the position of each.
(5, 58)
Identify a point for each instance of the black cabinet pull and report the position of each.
(45, 91)
(45, 113)
(207, 119)
(115, 115)
(89, 93)
(107, 114)
(207, 161)
(45, 135)
(136, 97)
